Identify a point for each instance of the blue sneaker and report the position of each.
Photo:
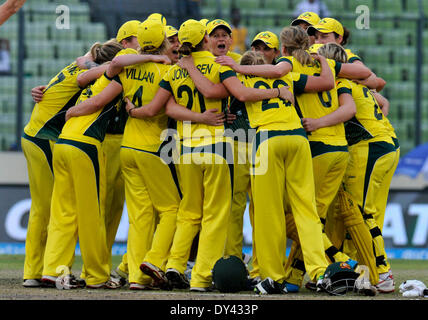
(291, 288)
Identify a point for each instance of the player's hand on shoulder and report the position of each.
(227, 61)
(163, 59)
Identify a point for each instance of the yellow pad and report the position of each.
(354, 224)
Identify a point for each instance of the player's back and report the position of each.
(319, 104)
(61, 93)
(275, 113)
(140, 84)
(186, 94)
(92, 126)
(369, 121)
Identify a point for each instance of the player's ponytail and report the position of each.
(333, 51)
(296, 42)
(103, 52)
(186, 48)
(252, 58)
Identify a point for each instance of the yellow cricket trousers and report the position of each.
(115, 187)
(151, 190)
(382, 198)
(77, 211)
(38, 153)
(206, 177)
(329, 164)
(241, 187)
(283, 164)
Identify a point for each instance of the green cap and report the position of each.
(230, 274)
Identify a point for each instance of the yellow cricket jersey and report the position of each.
(369, 121)
(140, 84)
(276, 113)
(352, 56)
(318, 104)
(91, 128)
(61, 93)
(180, 84)
(117, 124)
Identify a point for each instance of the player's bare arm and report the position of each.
(90, 75)
(9, 8)
(345, 112)
(181, 113)
(208, 89)
(243, 93)
(96, 102)
(265, 70)
(152, 108)
(323, 82)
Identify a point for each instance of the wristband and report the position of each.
(279, 93)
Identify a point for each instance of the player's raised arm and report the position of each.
(266, 70)
(178, 112)
(90, 75)
(323, 82)
(345, 112)
(208, 89)
(243, 93)
(96, 102)
(9, 8)
(152, 108)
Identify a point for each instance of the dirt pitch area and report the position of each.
(11, 289)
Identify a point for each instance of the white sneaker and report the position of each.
(139, 286)
(386, 283)
(49, 281)
(112, 283)
(66, 282)
(32, 283)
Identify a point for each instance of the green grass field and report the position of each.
(11, 267)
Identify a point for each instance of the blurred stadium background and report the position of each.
(393, 47)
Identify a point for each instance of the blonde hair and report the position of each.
(162, 49)
(333, 51)
(253, 58)
(103, 52)
(296, 41)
